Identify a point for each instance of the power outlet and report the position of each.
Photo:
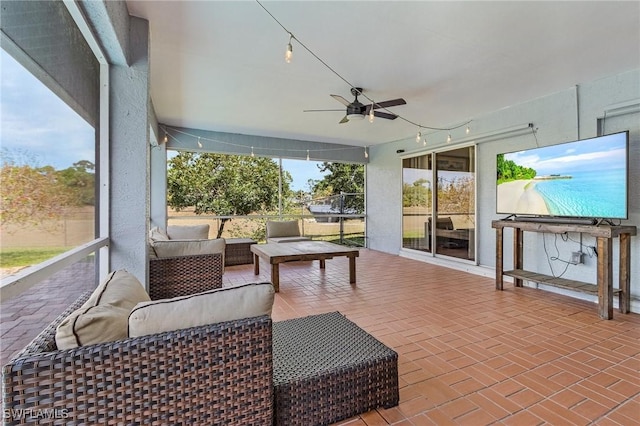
(576, 257)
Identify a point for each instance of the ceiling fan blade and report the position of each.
(385, 115)
(321, 110)
(389, 103)
(344, 120)
(340, 99)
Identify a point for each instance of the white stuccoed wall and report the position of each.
(560, 117)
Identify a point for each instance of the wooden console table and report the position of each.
(604, 235)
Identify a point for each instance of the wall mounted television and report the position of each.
(588, 178)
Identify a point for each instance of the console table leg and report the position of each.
(499, 254)
(624, 298)
(518, 263)
(256, 265)
(605, 278)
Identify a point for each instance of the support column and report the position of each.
(129, 130)
(158, 185)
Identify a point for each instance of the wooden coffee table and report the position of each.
(278, 253)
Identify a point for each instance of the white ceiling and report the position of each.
(219, 65)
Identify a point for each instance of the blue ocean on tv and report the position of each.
(600, 194)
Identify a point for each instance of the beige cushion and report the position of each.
(287, 239)
(213, 306)
(176, 248)
(157, 234)
(195, 232)
(287, 228)
(103, 317)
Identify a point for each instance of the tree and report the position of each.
(342, 178)
(416, 194)
(30, 195)
(80, 182)
(508, 170)
(225, 185)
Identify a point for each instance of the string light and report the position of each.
(166, 138)
(424, 143)
(418, 136)
(289, 53)
(449, 138)
(467, 130)
(177, 132)
(307, 155)
(371, 114)
(252, 154)
(366, 153)
(199, 143)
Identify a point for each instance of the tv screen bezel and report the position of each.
(595, 138)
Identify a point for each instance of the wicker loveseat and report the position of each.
(307, 371)
(213, 374)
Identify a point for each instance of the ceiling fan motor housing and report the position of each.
(356, 107)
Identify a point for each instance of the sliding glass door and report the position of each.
(417, 198)
(449, 227)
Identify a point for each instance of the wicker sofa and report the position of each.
(307, 371)
(213, 374)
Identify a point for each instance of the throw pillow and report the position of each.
(288, 228)
(103, 317)
(157, 234)
(213, 306)
(195, 232)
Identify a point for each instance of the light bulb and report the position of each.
(289, 53)
(467, 130)
(418, 136)
(449, 138)
(366, 153)
(252, 154)
(307, 155)
(199, 143)
(371, 114)
(166, 138)
(424, 143)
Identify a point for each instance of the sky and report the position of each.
(36, 126)
(604, 153)
(301, 171)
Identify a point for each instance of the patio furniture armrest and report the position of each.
(184, 275)
(214, 374)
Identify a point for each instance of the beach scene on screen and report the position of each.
(586, 178)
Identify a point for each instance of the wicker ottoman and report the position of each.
(238, 251)
(327, 369)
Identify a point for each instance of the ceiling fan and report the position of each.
(357, 111)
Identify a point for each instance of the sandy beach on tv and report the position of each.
(520, 197)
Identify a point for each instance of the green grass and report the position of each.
(10, 258)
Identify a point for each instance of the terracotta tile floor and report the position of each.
(468, 355)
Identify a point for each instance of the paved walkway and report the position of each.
(24, 316)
